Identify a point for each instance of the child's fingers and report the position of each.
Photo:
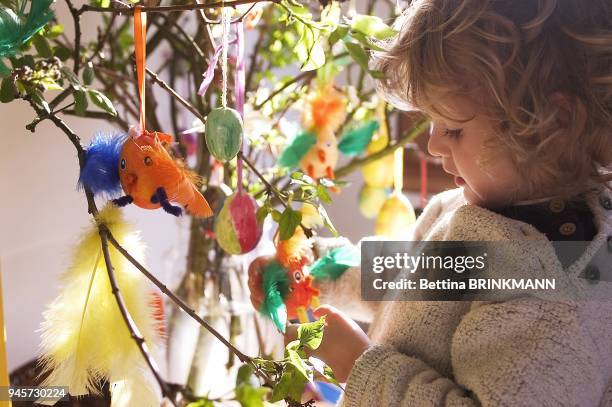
(325, 309)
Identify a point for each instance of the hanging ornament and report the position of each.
(288, 287)
(140, 163)
(325, 110)
(224, 129)
(236, 227)
(379, 173)
(397, 213)
(315, 151)
(84, 338)
(371, 200)
(321, 159)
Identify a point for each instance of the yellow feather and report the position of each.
(84, 337)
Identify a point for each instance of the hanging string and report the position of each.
(140, 45)
(239, 89)
(398, 170)
(423, 195)
(224, 46)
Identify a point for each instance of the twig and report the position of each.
(272, 188)
(104, 233)
(420, 127)
(76, 16)
(178, 97)
(102, 40)
(181, 304)
(303, 75)
(134, 332)
(162, 9)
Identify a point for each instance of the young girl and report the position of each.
(520, 97)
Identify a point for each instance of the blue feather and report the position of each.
(101, 170)
(16, 29)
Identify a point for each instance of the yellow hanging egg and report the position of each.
(379, 173)
(395, 217)
(371, 200)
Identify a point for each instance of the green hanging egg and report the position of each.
(224, 133)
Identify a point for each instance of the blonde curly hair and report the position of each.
(512, 57)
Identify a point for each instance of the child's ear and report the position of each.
(571, 111)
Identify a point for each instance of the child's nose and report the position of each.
(437, 144)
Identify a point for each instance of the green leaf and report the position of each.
(62, 53)
(80, 101)
(40, 101)
(324, 370)
(311, 333)
(244, 375)
(266, 365)
(323, 194)
(358, 54)
(42, 46)
(262, 213)
(366, 41)
(8, 91)
(372, 26)
(88, 74)
(249, 396)
(296, 361)
(326, 221)
(100, 100)
(55, 31)
(201, 403)
(291, 385)
(338, 34)
(276, 215)
(289, 220)
(71, 77)
(309, 50)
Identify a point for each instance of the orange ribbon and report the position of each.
(140, 49)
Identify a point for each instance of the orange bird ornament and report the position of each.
(149, 176)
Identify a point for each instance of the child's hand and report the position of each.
(255, 279)
(343, 341)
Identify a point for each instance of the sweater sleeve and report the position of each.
(345, 292)
(523, 352)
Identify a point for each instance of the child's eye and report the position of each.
(453, 133)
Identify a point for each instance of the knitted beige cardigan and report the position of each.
(520, 352)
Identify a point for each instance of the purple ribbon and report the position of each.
(210, 71)
(239, 80)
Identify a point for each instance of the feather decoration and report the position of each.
(295, 151)
(355, 141)
(84, 338)
(276, 285)
(16, 29)
(101, 170)
(335, 263)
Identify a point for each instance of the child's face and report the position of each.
(460, 144)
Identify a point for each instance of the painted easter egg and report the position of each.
(395, 217)
(224, 133)
(371, 200)
(379, 173)
(236, 226)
